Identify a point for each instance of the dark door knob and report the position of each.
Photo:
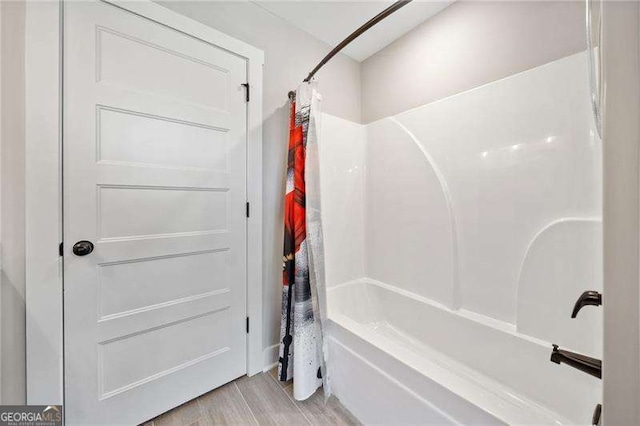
(82, 248)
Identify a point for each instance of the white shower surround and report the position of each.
(458, 236)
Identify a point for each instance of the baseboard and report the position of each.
(271, 355)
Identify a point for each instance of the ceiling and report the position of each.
(333, 21)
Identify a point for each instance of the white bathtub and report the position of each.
(477, 220)
(399, 358)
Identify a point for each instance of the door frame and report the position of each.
(621, 214)
(43, 177)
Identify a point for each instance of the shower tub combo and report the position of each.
(458, 235)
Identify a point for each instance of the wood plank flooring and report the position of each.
(258, 400)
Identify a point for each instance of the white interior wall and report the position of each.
(468, 44)
(12, 183)
(290, 53)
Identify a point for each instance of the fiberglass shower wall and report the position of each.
(487, 202)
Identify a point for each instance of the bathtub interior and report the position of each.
(475, 219)
(481, 356)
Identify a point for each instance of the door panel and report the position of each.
(202, 147)
(155, 176)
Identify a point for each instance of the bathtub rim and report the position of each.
(500, 401)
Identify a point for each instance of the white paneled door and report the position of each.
(154, 134)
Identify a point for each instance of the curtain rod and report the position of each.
(370, 23)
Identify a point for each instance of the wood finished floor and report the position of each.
(258, 400)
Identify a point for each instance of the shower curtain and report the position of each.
(302, 354)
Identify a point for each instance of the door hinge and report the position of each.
(247, 325)
(61, 249)
(248, 95)
(248, 209)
